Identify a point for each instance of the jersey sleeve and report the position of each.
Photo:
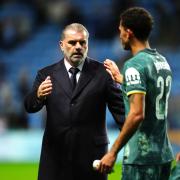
(134, 79)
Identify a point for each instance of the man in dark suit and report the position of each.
(75, 100)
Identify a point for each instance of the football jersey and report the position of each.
(149, 73)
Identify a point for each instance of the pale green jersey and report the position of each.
(149, 73)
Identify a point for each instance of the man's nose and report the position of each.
(78, 45)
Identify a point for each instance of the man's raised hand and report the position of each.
(45, 88)
(113, 70)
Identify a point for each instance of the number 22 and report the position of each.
(160, 84)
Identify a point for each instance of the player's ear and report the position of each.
(129, 32)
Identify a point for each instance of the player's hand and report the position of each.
(178, 157)
(113, 70)
(45, 88)
(107, 163)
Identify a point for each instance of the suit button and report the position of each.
(72, 104)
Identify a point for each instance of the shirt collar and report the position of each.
(68, 66)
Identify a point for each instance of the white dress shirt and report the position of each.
(68, 66)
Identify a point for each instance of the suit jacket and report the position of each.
(75, 132)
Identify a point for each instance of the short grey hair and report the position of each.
(74, 26)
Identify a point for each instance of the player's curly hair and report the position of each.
(138, 20)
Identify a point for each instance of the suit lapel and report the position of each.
(86, 75)
(62, 78)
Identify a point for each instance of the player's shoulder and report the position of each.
(139, 61)
(133, 62)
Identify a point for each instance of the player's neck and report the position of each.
(139, 46)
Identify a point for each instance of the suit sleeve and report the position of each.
(115, 102)
(31, 102)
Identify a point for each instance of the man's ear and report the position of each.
(130, 33)
(61, 45)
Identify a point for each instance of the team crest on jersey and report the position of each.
(132, 76)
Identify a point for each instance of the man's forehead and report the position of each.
(121, 27)
(73, 33)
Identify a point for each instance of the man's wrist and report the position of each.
(113, 152)
(41, 98)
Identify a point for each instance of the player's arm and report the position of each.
(133, 120)
(178, 157)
